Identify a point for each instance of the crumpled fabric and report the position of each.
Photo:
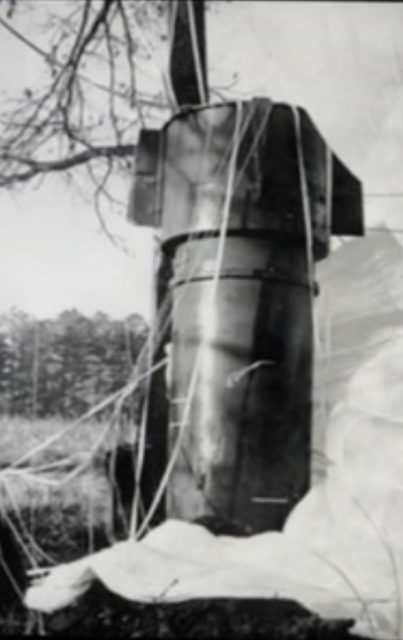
(340, 553)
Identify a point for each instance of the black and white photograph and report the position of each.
(201, 319)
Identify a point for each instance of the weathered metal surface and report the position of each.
(187, 62)
(192, 171)
(267, 195)
(145, 200)
(156, 447)
(245, 450)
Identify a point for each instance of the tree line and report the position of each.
(64, 366)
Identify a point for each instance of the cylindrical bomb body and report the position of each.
(242, 316)
(246, 438)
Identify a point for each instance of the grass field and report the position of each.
(19, 436)
(58, 500)
(53, 465)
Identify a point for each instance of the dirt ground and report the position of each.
(100, 614)
(235, 619)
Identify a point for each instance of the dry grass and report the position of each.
(19, 436)
(63, 482)
(58, 503)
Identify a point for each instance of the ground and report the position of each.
(62, 522)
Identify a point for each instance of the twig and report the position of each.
(47, 166)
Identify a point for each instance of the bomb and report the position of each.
(12, 575)
(246, 196)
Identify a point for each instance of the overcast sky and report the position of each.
(343, 62)
(53, 252)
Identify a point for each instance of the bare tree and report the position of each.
(89, 110)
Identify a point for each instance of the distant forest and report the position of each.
(64, 366)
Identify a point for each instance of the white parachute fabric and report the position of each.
(180, 561)
(340, 554)
(353, 518)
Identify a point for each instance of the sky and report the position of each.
(343, 62)
(55, 256)
(53, 253)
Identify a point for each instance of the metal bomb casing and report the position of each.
(259, 176)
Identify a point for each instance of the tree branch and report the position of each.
(49, 58)
(62, 126)
(36, 167)
(79, 47)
